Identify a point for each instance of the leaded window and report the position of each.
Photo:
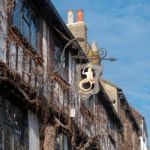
(64, 62)
(13, 126)
(62, 142)
(57, 54)
(27, 21)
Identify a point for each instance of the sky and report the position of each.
(123, 28)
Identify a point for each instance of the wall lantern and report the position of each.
(72, 112)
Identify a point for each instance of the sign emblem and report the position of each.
(88, 79)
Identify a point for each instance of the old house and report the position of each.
(102, 122)
(40, 107)
(143, 135)
(34, 91)
(36, 102)
(131, 128)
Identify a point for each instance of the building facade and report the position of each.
(143, 129)
(36, 100)
(30, 50)
(131, 128)
(40, 107)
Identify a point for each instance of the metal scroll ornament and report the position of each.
(88, 80)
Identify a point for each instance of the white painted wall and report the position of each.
(3, 30)
(143, 138)
(34, 141)
(72, 68)
(26, 68)
(143, 144)
(12, 58)
(45, 41)
(45, 44)
(20, 60)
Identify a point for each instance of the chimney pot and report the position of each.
(70, 16)
(80, 15)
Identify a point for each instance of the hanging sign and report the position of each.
(88, 79)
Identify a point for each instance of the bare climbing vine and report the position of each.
(60, 96)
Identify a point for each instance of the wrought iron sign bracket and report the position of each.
(101, 54)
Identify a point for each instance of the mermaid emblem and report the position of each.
(88, 79)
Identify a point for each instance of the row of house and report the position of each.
(40, 106)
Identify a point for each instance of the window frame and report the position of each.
(16, 129)
(62, 138)
(33, 20)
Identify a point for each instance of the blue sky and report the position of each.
(123, 28)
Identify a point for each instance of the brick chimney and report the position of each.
(70, 16)
(78, 28)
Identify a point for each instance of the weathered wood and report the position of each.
(49, 141)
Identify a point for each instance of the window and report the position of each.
(17, 14)
(57, 54)
(27, 22)
(62, 142)
(58, 49)
(13, 126)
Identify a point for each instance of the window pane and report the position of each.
(17, 14)
(26, 22)
(66, 142)
(34, 30)
(13, 127)
(26, 29)
(57, 54)
(18, 120)
(8, 112)
(26, 12)
(59, 142)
